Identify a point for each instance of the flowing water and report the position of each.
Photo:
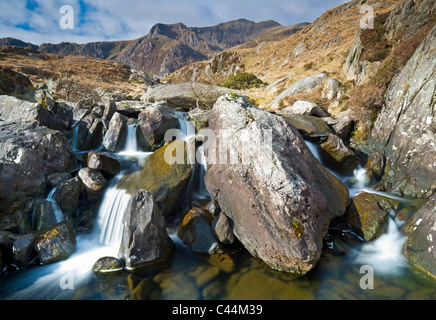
(232, 275)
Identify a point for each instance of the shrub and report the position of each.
(241, 81)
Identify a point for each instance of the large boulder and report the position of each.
(145, 243)
(58, 243)
(28, 154)
(279, 198)
(154, 122)
(405, 128)
(419, 248)
(167, 182)
(14, 83)
(116, 135)
(185, 96)
(14, 109)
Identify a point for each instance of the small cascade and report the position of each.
(57, 210)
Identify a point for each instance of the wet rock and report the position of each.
(166, 181)
(420, 247)
(222, 229)
(200, 118)
(57, 244)
(23, 249)
(56, 178)
(107, 264)
(369, 214)
(275, 192)
(106, 162)
(145, 242)
(43, 215)
(7, 240)
(213, 207)
(94, 181)
(116, 135)
(343, 155)
(154, 122)
(195, 231)
(67, 196)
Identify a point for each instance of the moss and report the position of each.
(297, 228)
(241, 81)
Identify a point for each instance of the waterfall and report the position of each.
(57, 210)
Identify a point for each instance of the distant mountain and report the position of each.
(169, 47)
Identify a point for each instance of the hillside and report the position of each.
(168, 47)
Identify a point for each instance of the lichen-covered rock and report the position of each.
(420, 247)
(279, 197)
(404, 131)
(57, 243)
(308, 125)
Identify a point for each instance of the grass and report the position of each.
(241, 81)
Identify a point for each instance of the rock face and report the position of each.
(419, 247)
(405, 128)
(278, 196)
(28, 154)
(145, 242)
(57, 244)
(187, 95)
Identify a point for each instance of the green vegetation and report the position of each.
(242, 81)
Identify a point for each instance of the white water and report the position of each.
(57, 210)
(385, 253)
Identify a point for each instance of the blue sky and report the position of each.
(37, 21)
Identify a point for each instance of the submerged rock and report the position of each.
(57, 244)
(195, 231)
(279, 197)
(145, 243)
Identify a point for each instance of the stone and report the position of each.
(67, 196)
(93, 180)
(154, 122)
(308, 125)
(14, 109)
(305, 85)
(56, 178)
(305, 108)
(109, 109)
(200, 118)
(369, 214)
(57, 244)
(195, 231)
(29, 153)
(43, 216)
(331, 89)
(278, 196)
(107, 264)
(343, 155)
(106, 162)
(14, 83)
(116, 135)
(187, 95)
(166, 182)
(419, 247)
(23, 249)
(145, 243)
(404, 131)
(222, 229)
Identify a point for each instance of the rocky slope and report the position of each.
(168, 47)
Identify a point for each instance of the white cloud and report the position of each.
(130, 19)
